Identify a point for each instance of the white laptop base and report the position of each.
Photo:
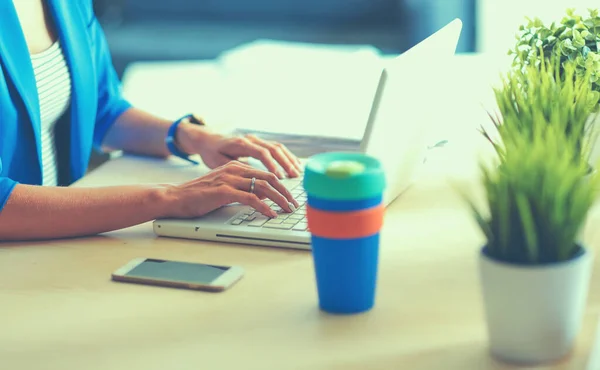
(395, 134)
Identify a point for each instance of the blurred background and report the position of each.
(203, 30)
(148, 30)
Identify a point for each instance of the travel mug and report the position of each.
(345, 215)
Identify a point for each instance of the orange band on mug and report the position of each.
(345, 225)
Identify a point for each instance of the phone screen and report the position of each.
(177, 271)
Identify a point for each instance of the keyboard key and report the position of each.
(280, 212)
(259, 221)
(278, 226)
(275, 221)
(302, 226)
(237, 222)
(296, 216)
(290, 184)
(290, 222)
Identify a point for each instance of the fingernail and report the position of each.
(281, 175)
(292, 207)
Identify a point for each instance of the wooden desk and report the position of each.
(59, 309)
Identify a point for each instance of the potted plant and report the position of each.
(553, 93)
(574, 39)
(534, 273)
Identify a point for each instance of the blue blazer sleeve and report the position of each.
(111, 103)
(6, 187)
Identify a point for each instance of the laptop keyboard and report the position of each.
(285, 221)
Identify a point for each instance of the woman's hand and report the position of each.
(230, 183)
(216, 150)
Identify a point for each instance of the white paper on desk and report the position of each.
(301, 89)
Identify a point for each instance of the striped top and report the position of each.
(53, 82)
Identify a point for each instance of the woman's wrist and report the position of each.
(182, 135)
(166, 200)
(190, 138)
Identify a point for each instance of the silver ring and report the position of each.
(252, 185)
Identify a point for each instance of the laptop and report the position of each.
(396, 134)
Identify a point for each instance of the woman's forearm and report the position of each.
(139, 132)
(36, 212)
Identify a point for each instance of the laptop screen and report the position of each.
(403, 110)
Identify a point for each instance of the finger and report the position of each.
(279, 155)
(240, 163)
(243, 197)
(264, 155)
(234, 166)
(250, 172)
(274, 146)
(263, 188)
(288, 166)
(291, 157)
(240, 147)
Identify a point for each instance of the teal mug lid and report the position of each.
(343, 176)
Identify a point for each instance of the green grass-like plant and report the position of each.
(538, 200)
(551, 94)
(574, 38)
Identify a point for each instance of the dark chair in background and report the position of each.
(202, 29)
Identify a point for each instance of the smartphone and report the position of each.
(178, 274)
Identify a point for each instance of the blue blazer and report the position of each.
(96, 100)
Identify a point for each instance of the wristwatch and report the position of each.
(170, 139)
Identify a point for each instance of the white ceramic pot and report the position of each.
(534, 313)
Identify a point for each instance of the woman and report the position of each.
(59, 96)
